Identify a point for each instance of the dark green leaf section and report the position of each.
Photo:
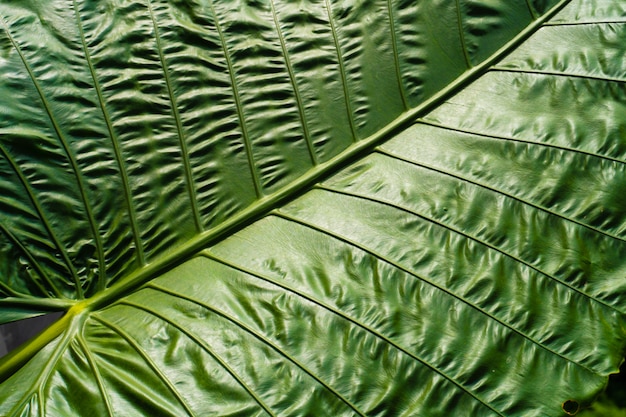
(472, 265)
(130, 127)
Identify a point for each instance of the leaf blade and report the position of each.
(347, 270)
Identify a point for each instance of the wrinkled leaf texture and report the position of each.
(316, 207)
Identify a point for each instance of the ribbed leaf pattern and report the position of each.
(130, 127)
(472, 264)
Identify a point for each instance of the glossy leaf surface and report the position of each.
(313, 208)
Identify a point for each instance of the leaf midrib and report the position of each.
(289, 192)
(265, 204)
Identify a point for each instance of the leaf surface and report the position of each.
(313, 208)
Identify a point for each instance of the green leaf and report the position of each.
(381, 208)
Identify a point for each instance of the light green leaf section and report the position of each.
(298, 211)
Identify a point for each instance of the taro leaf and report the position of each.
(329, 208)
